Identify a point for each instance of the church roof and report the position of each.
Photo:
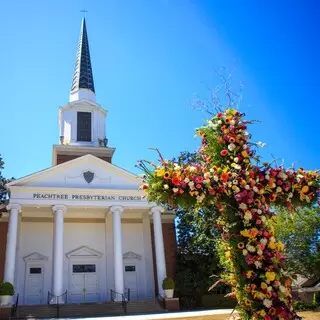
(82, 77)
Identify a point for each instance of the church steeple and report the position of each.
(82, 82)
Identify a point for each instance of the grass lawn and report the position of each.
(307, 315)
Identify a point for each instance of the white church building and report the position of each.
(82, 227)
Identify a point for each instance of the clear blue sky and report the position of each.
(150, 58)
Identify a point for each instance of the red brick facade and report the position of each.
(3, 243)
(61, 158)
(170, 247)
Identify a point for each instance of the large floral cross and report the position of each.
(230, 177)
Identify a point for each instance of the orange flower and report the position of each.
(224, 177)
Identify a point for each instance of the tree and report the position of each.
(300, 234)
(231, 178)
(197, 259)
(3, 182)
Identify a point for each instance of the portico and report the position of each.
(83, 238)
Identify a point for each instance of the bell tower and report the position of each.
(82, 122)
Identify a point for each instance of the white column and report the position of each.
(12, 236)
(159, 247)
(57, 281)
(117, 248)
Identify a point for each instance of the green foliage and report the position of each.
(300, 234)
(303, 306)
(168, 283)
(3, 182)
(197, 258)
(6, 289)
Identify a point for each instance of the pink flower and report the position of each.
(198, 179)
(224, 152)
(258, 221)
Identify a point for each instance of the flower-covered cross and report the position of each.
(246, 193)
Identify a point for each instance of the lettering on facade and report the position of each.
(86, 197)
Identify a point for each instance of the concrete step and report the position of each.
(88, 309)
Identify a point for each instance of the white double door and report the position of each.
(84, 283)
(34, 284)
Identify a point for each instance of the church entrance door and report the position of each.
(84, 287)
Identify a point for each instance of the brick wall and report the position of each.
(170, 248)
(3, 243)
(61, 158)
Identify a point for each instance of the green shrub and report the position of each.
(168, 284)
(6, 289)
(302, 306)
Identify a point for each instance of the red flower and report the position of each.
(224, 152)
(175, 181)
(224, 177)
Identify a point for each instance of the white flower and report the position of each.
(192, 168)
(191, 185)
(235, 181)
(244, 252)
(236, 190)
(258, 264)
(247, 187)
(290, 195)
(255, 189)
(279, 189)
(237, 166)
(260, 252)
(232, 122)
(250, 248)
(186, 180)
(219, 121)
(248, 216)
(231, 146)
(243, 206)
(282, 288)
(215, 178)
(267, 177)
(264, 241)
(166, 187)
(175, 190)
(176, 166)
(269, 289)
(259, 211)
(244, 146)
(272, 239)
(267, 303)
(263, 218)
(236, 159)
(282, 175)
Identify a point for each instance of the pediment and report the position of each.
(87, 172)
(35, 256)
(131, 255)
(83, 252)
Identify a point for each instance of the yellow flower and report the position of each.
(228, 254)
(272, 245)
(244, 153)
(264, 286)
(270, 275)
(262, 313)
(280, 246)
(160, 172)
(305, 189)
(245, 233)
